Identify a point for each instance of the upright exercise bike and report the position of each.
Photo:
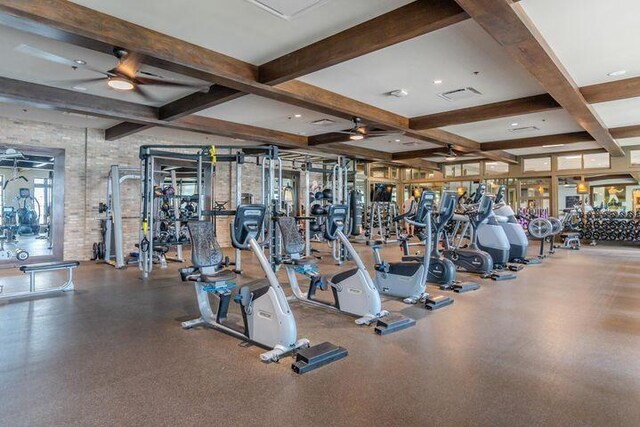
(408, 280)
(267, 318)
(353, 291)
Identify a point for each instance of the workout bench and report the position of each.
(32, 269)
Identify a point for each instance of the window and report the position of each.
(379, 172)
(583, 161)
(538, 164)
(496, 168)
(451, 171)
(635, 157)
(596, 161)
(570, 162)
(471, 169)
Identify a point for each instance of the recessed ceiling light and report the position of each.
(356, 137)
(553, 145)
(514, 124)
(81, 88)
(119, 83)
(397, 140)
(437, 82)
(297, 116)
(617, 73)
(80, 61)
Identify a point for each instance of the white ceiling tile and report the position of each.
(548, 123)
(262, 112)
(393, 144)
(590, 37)
(241, 29)
(18, 112)
(452, 54)
(625, 112)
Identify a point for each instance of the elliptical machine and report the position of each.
(354, 292)
(518, 241)
(492, 238)
(408, 280)
(268, 320)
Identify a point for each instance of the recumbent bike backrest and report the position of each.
(205, 251)
(292, 241)
(247, 225)
(336, 217)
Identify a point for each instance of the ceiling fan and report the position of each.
(360, 131)
(126, 76)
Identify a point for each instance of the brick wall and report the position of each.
(88, 158)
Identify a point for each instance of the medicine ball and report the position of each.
(327, 194)
(317, 210)
(319, 195)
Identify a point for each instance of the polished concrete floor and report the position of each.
(559, 346)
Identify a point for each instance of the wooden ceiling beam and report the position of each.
(626, 132)
(407, 22)
(537, 141)
(515, 107)
(417, 154)
(510, 26)
(182, 107)
(612, 91)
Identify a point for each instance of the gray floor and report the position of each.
(559, 346)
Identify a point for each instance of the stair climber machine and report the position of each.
(408, 280)
(492, 239)
(267, 319)
(518, 241)
(470, 258)
(354, 292)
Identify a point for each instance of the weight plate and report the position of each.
(556, 225)
(539, 228)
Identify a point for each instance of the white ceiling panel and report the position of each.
(625, 112)
(590, 37)
(176, 135)
(581, 146)
(17, 112)
(452, 55)
(393, 144)
(240, 29)
(548, 123)
(34, 69)
(262, 112)
(628, 142)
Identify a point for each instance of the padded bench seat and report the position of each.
(49, 266)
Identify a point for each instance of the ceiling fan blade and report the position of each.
(129, 65)
(160, 82)
(48, 56)
(346, 132)
(146, 73)
(77, 81)
(143, 93)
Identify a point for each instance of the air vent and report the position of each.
(460, 94)
(288, 9)
(323, 122)
(525, 129)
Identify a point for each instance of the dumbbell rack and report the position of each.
(611, 226)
